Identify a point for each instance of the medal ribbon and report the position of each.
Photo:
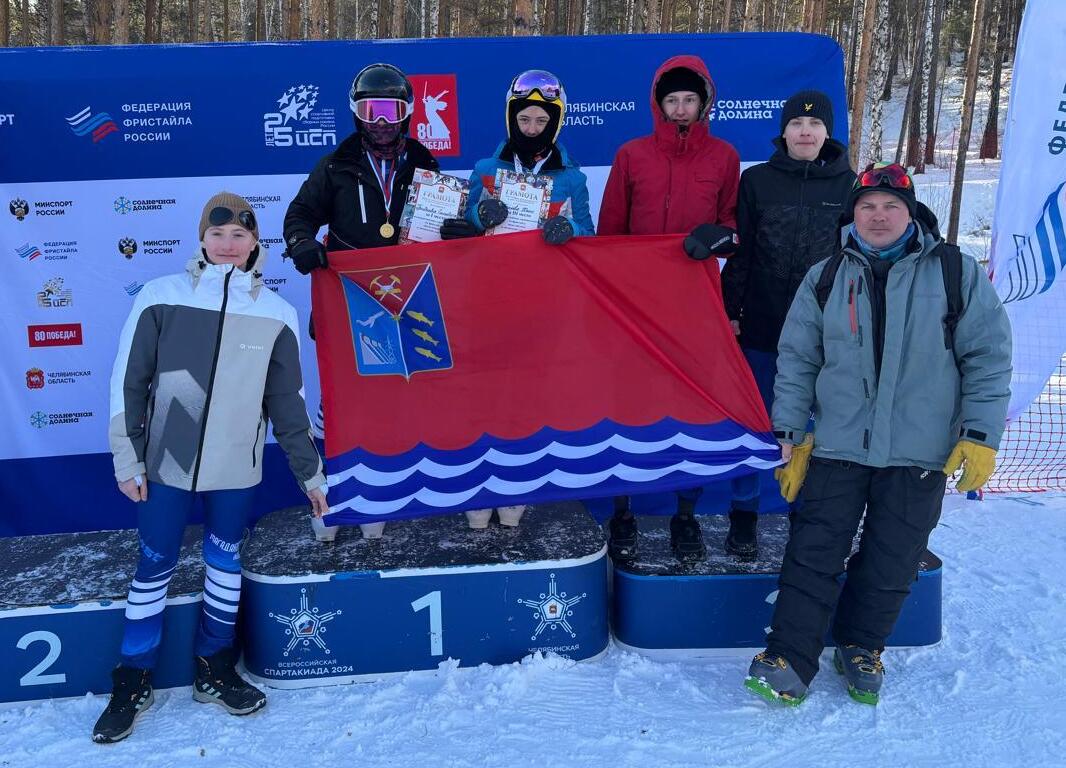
(385, 178)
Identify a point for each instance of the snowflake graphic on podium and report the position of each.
(304, 625)
(553, 609)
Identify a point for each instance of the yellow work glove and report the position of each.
(791, 476)
(978, 462)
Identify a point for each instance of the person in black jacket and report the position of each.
(359, 190)
(788, 212)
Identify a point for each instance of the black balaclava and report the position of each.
(384, 140)
(528, 149)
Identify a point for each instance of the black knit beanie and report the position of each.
(808, 104)
(680, 79)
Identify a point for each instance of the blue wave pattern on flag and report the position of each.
(550, 465)
(1040, 255)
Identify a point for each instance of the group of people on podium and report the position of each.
(882, 353)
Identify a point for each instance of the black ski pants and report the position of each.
(902, 506)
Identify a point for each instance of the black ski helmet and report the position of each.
(383, 81)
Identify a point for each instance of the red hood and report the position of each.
(663, 127)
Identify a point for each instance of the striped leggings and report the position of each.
(161, 524)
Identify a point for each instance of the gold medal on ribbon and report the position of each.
(387, 230)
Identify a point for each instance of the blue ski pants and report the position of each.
(161, 524)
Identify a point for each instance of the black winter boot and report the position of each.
(686, 536)
(742, 539)
(130, 696)
(217, 682)
(622, 538)
(622, 532)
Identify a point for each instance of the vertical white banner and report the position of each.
(1029, 244)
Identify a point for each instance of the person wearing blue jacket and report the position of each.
(536, 105)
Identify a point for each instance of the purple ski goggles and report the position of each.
(545, 83)
(371, 110)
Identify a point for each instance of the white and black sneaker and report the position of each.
(217, 682)
(131, 695)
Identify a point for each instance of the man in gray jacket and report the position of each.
(901, 350)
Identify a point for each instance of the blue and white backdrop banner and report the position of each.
(109, 154)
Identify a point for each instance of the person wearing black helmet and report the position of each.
(358, 190)
(536, 105)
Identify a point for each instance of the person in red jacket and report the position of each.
(678, 179)
(680, 176)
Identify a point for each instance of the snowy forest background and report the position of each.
(912, 45)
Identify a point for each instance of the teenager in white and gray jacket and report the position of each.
(205, 358)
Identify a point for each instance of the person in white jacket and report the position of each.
(205, 358)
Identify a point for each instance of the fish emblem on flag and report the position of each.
(396, 320)
(1040, 255)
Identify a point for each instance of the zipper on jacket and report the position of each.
(211, 379)
(793, 285)
(258, 427)
(877, 310)
(858, 293)
(866, 389)
(851, 308)
(362, 203)
(669, 189)
(866, 440)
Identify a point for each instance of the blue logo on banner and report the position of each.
(396, 320)
(27, 251)
(85, 122)
(1040, 255)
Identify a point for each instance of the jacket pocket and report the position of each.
(705, 190)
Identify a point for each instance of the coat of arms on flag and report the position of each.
(396, 321)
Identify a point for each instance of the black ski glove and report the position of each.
(557, 230)
(307, 255)
(708, 240)
(456, 229)
(492, 212)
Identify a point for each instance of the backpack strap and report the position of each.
(824, 286)
(951, 267)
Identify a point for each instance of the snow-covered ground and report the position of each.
(987, 695)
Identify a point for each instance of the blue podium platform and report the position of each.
(663, 609)
(432, 589)
(62, 606)
(429, 590)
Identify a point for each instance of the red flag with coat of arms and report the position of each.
(502, 370)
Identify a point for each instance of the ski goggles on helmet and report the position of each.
(885, 175)
(537, 81)
(370, 110)
(221, 215)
